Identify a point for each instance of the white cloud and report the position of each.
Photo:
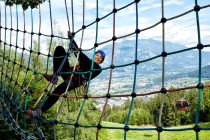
(147, 5)
(180, 31)
(177, 2)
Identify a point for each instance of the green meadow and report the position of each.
(113, 134)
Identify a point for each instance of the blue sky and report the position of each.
(182, 30)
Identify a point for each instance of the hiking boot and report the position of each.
(51, 78)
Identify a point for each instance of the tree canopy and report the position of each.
(25, 3)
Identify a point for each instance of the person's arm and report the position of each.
(85, 65)
(73, 44)
(84, 61)
(74, 47)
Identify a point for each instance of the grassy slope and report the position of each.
(113, 134)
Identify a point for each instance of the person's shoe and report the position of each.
(33, 114)
(51, 78)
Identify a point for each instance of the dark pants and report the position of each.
(59, 55)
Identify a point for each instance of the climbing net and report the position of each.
(18, 29)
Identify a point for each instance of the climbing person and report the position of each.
(84, 65)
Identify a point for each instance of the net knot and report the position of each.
(159, 129)
(114, 10)
(114, 38)
(96, 45)
(137, 31)
(164, 54)
(163, 20)
(76, 124)
(126, 128)
(136, 62)
(197, 8)
(112, 66)
(133, 94)
(86, 97)
(99, 126)
(137, 1)
(197, 128)
(108, 95)
(200, 86)
(98, 19)
(83, 27)
(200, 46)
(163, 90)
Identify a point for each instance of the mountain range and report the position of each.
(179, 68)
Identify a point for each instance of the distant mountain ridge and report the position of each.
(205, 72)
(149, 74)
(124, 53)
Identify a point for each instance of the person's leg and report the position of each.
(52, 99)
(59, 56)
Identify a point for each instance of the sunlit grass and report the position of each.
(113, 134)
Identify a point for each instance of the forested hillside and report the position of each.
(145, 110)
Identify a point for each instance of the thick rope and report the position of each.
(20, 94)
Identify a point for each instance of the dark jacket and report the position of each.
(85, 66)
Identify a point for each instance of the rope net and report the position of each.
(28, 36)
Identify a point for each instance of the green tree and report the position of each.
(25, 3)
